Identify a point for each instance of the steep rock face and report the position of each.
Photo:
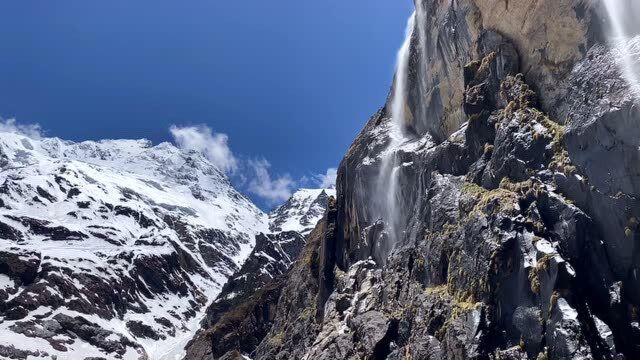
(603, 140)
(487, 273)
(271, 257)
(113, 248)
(515, 243)
(551, 36)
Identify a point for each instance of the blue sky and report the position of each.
(289, 83)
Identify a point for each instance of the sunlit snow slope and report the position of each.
(301, 212)
(113, 248)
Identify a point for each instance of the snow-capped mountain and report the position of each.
(239, 309)
(113, 248)
(301, 212)
(274, 252)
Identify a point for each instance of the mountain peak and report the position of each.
(121, 237)
(301, 212)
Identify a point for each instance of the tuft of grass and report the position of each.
(534, 280)
(277, 340)
(407, 354)
(488, 149)
(557, 130)
(504, 198)
(534, 274)
(308, 313)
(439, 290)
(553, 301)
(543, 355)
(484, 68)
(459, 306)
(561, 162)
(522, 344)
(473, 189)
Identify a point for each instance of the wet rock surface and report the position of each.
(498, 267)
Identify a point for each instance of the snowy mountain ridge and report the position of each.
(117, 247)
(301, 212)
(129, 240)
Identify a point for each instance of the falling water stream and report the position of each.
(387, 181)
(624, 27)
(389, 207)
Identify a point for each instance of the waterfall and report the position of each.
(421, 22)
(624, 26)
(388, 191)
(399, 96)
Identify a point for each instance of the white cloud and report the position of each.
(273, 190)
(214, 146)
(327, 180)
(306, 181)
(254, 174)
(33, 131)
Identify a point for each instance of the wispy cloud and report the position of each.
(253, 175)
(33, 131)
(273, 190)
(214, 146)
(328, 179)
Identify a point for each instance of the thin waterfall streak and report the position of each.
(622, 16)
(421, 18)
(421, 22)
(392, 201)
(399, 97)
(387, 182)
(385, 203)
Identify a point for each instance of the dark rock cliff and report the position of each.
(519, 203)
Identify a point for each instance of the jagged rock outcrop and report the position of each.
(518, 202)
(493, 264)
